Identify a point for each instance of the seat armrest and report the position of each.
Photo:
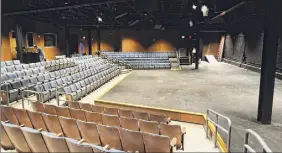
(183, 130)
(40, 129)
(81, 141)
(168, 120)
(60, 134)
(173, 145)
(106, 147)
(22, 125)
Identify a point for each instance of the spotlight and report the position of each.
(38, 36)
(194, 7)
(191, 23)
(99, 19)
(205, 10)
(81, 29)
(83, 37)
(183, 37)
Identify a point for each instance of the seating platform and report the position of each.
(143, 60)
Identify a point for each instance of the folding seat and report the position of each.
(33, 82)
(50, 109)
(3, 70)
(16, 136)
(41, 95)
(129, 123)
(11, 76)
(10, 68)
(93, 117)
(75, 89)
(20, 74)
(35, 71)
(52, 123)
(32, 65)
(70, 95)
(77, 114)
(77, 146)
(125, 113)
(111, 120)
(9, 93)
(141, 115)
(63, 111)
(83, 89)
(89, 85)
(28, 72)
(173, 131)
(88, 88)
(37, 106)
(47, 77)
(111, 111)
(149, 126)
(110, 136)
(55, 143)
(9, 63)
(158, 143)
(54, 84)
(3, 64)
(132, 141)
(69, 127)
(85, 106)
(37, 120)
(70, 79)
(47, 87)
(18, 67)
(34, 140)
(66, 81)
(159, 118)
(72, 104)
(10, 114)
(5, 140)
(57, 74)
(23, 117)
(24, 86)
(53, 75)
(38, 64)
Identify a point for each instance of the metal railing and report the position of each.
(216, 124)
(248, 148)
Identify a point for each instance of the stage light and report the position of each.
(205, 10)
(99, 19)
(183, 37)
(191, 23)
(83, 37)
(194, 7)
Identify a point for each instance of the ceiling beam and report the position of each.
(65, 7)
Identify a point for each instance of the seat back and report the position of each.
(111, 111)
(16, 136)
(55, 143)
(149, 126)
(50, 109)
(73, 104)
(141, 115)
(69, 127)
(98, 109)
(52, 123)
(93, 117)
(63, 111)
(110, 120)
(37, 120)
(34, 140)
(158, 118)
(37, 106)
(129, 123)
(5, 140)
(110, 136)
(10, 114)
(125, 113)
(75, 146)
(172, 131)
(156, 143)
(23, 117)
(132, 141)
(77, 114)
(90, 137)
(85, 106)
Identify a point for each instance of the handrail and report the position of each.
(227, 131)
(247, 147)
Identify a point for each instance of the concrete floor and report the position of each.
(224, 88)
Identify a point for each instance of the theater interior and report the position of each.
(141, 76)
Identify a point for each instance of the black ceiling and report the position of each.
(166, 13)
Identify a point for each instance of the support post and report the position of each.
(67, 41)
(268, 66)
(89, 42)
(98, 40)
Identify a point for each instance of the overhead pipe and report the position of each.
(66, 7)
(229, 10)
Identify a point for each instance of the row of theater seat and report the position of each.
(97, 134)
(145, 60)
(15, 84)
(128, 119)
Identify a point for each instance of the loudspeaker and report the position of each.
(151, 5)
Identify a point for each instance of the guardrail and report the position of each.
(216, 124)
(248, 148)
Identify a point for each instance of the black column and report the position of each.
(67, 41)
(98, 39)
(269, 54)
(199, 47)
(89, 43)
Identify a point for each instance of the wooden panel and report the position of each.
(5, 48)
(196, 118)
